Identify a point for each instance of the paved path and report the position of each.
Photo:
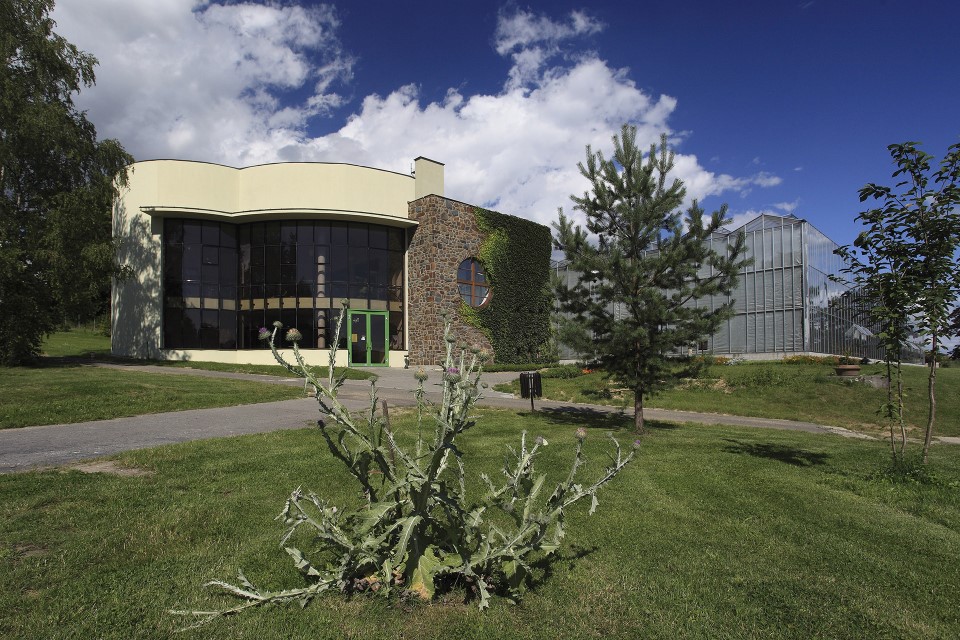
(52, 445)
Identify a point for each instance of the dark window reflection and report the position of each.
(295, 272)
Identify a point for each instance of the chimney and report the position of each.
(428, 176)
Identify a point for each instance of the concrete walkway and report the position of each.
(53, 445)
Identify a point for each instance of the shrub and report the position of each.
(522, 366)
(416, 529)
(827, 360)
(564, 372)
(761, 377)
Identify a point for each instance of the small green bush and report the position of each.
(827, 360)
(563, 372)
(522, 366)
(906, 470)
(761, 378)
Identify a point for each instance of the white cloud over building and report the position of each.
(239, 84)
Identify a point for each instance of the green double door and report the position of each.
(369, 335)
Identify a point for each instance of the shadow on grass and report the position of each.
(68, 362)
(779, 452)
(544, 567)
(591, 418)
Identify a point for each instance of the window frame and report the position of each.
(475, 267)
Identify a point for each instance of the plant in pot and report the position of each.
(847, 366)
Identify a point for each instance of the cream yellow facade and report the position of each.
(160, 189)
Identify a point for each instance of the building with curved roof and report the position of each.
(218, 252)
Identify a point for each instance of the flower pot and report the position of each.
(847, 370)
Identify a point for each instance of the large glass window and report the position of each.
(200, 285)
(222, 282)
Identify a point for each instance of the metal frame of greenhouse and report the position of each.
(786, 302)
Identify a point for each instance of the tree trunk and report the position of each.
(638, 411)
(931, 393)
(903, 427)
(893, 446)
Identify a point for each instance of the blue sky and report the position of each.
(772, 106)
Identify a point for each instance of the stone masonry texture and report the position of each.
(447, 235)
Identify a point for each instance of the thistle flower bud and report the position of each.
(278, 324)
(581, 433)
(541, 441)
(294, 335)
(450, 339)
(420, 375)
(263, 334)
(636, 444)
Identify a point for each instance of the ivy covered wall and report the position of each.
(515, 323)
(516, 255)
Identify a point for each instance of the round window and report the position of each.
(473, 283)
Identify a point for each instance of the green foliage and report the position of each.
(57, 184)
(516, 255)
(953, 331)
(905, 261)
(417, 529)
(632, 304)
(906, 470)
(518, 366)
(565, 372)
(762, 377)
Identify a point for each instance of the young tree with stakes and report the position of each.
(632, 304)
(877, 266)
(916, 229)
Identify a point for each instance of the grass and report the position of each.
(68, 393)
(713, 532)
(810, 393)
(83, 343)
(61, 390)
(260, 369)
(76, 343)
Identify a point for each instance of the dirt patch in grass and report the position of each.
(109, 466)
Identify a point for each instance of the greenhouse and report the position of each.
(786, 302)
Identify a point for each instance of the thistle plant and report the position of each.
(416, 531)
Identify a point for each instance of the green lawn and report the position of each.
(83, 343)
(76, 343)
(811, 393)
(62, 394)
(61, 390)
(713, 532)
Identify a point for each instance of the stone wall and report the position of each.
(447, 235)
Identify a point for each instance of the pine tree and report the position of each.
(649, 262)
(57, 183)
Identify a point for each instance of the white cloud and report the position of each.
(521, 30)
(737, 220)
(190, 79)
(207, 81)
(765, 179)
(787, 207)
